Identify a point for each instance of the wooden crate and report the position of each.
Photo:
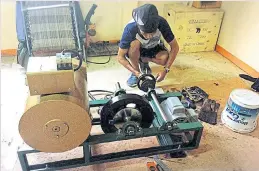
(206, 4)
(196, 30)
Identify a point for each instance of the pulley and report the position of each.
(126, 108)
(146, 82)
(56, 124)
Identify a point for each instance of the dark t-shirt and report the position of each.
(131, 30)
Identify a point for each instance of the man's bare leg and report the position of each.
(160, 59)
(134, 54)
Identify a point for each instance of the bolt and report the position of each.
(130, 130)
(169, 127)
(35, 91)
(57, 136)
(69, 89)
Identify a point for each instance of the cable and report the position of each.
(91, 96)
(106, 91)
(101, 63)
(77, 54)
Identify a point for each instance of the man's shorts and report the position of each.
(151, 53)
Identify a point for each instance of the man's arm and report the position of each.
(173, 52)
(123, 61)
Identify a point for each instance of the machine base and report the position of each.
(183, 137)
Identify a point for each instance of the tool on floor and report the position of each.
(255, 81)
(198, 98)
(157, 165)
(194, 94)
(208, 112)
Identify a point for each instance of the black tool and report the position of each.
(208, 111)
(194, 94)
(255, 85)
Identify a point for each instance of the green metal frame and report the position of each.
(168, 139)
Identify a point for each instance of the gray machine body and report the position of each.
(176, 112)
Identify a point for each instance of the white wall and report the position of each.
(110, 18)
(8, 25)
(239, 33)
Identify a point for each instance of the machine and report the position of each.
(57, 117)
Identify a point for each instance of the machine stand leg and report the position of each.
(87, 152)
(23, 161)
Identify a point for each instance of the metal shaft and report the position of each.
(118, 86)
(158, 106)
(47, 7)
(76, 28)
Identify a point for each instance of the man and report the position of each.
(141, 43)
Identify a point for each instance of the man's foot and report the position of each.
(132, 81)
(144, 67)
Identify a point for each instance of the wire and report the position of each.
(77, 54)
(91, 96)
(101, 63)
(106, 91)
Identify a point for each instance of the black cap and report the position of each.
(146, 17)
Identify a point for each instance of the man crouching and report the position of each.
(141, 44)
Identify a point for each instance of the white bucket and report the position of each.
(241, 111)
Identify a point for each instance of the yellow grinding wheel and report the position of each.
(57, 123)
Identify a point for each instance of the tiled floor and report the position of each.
(220, 149)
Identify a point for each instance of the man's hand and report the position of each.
(161, 76)
(138, 74)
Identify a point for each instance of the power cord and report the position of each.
(101, 63)
(77, 54)
(105, 91)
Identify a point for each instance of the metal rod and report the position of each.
(76, 28)
(25, 32)
(91, 96)
(23, 160)
(158, 106)
(118, 86)
(46, 7)
(84, 53)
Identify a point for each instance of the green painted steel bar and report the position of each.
(191, 125)
(147, 132)
(97, 103)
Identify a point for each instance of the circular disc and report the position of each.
(55, 126)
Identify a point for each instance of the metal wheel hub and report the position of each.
(56, 128)
(146, 82)
(116, 112)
